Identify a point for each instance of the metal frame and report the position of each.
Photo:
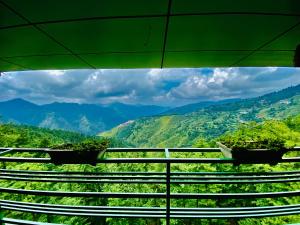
(167, 177)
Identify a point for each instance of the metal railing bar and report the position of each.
(154, 195)
(119, 215)
(145, 211)
(151, 181)
(110, 150)
(150, 160)
(168, 187)
(150, 173)
(235, 173)
(24, 222)
(160, 215)
(234, 195)
(89, 211)
(235, 181)
(224, 209)
(150, 208)
(25, 160)
(236, 212)
(183, 149)
(6, 151)
(81, 172)
(190, 150)
(234, 216)
(82, 194)
(82, 207)
(207, 177)
(187, 160)
(84, 177)
(86, 181)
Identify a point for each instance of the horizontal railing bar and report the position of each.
(150, 160)
(25, 149)
(195, 150)
(110, 150)
(235, 181)
(161, 181)
(150, 208)
(160, 215)
(5, 151)
(187, 160)
(86, 181)
(81, 172)
(118, 215)
(234, 216)
(90, 211)
(150, 173)
(236, 173)
(234, 195)
(179, 216)
(153, 195)
(83, 194)
(145, 211)
(25, 160)
(85, 177)
(10, 221)
(235, 177)
(183, 149)
(207, 177)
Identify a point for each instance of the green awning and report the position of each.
(68, 34)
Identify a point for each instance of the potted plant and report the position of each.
(253, 144)
(86, 152)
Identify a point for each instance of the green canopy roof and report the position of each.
(68, 34)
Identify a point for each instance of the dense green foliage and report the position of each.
(28, 136)
(270, 134)
(288, 129)
(267, 135)
(86, 145)
(209, 122)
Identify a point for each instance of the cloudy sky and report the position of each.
(170, 87)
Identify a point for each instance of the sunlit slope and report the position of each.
(209, 122)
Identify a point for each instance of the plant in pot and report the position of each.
(86, 152)
(254, 144)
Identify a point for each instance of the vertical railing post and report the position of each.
(1, 216)
(168, 186)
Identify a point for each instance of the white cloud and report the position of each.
(145, 86)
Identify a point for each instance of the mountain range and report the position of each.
(84, 118)
(186, 125)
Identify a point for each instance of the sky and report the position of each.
(165, 87)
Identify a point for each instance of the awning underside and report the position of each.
(66, 34)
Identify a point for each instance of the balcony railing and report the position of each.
(167, 177)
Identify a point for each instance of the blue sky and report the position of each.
(169, 87)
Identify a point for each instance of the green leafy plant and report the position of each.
(87, 145)
(256, 136)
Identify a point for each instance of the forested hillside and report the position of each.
(289, 129)
(209, 122)
(84, 118)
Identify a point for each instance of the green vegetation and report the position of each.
(86, 145)
(12, 135)
(209, 122)
(267, 135)
(271, 119)
(27, 136)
